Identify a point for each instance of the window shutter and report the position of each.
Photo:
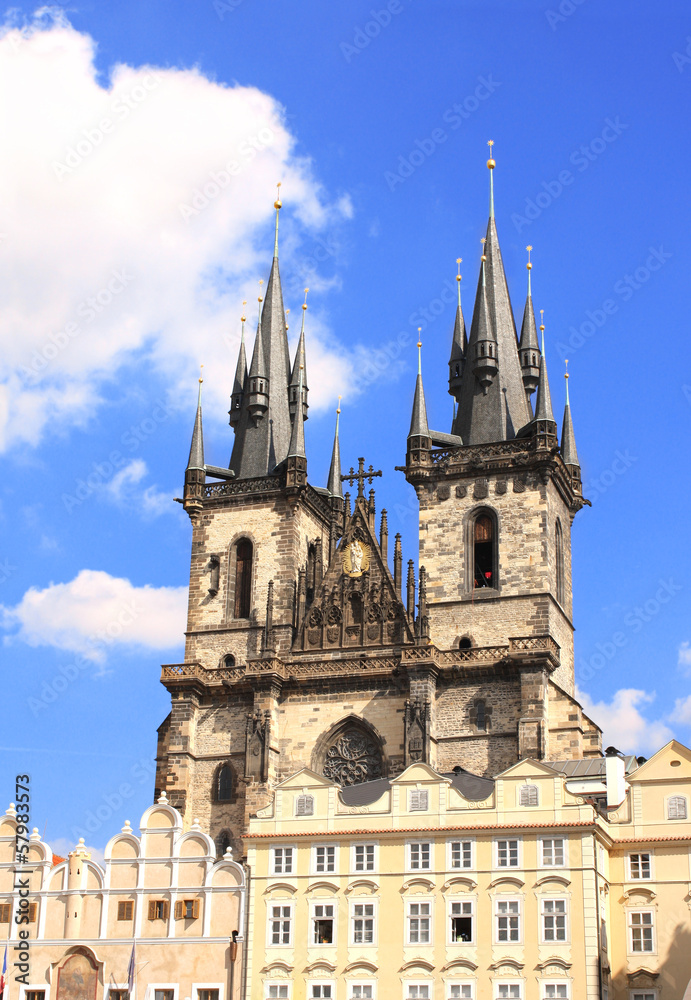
(152, 909)
(165, 909)
(179, 910)
(33, 907)
(195, 909)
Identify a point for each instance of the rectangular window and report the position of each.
(280, 925)
(643, 996)
(112, 994)
(420, 854)
(276, 991)
(324, 859)
(639, 866)
(321, 991)
(282, 858)
(159, 909)
(125, 912)
(508, 920)
(363, 858)
(164, 994)
(507, 854)
(512, 990)
(419, 923)
(461, 916)
(554, 920)
(419, 800)
(553, 853)
(676, 807)
(361, 991)
(187, 909)
(560, 991)
(33, 912)
(641, 930)
(461, 854)
(5, 913)
(41, 994)
(460, 991)
(323, 923)
(363, 923)
(418, 991)
(207, 994)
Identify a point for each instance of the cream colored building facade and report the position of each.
(164, 892)
(556, 880)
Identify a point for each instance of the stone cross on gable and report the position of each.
(361, 475)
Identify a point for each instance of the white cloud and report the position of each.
(136, 216)
(62, 846)
(96, 611)
(624, 725)
(125, 489)
(682, 711)
(684, 660)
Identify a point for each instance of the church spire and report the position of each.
(196, 459)
(258, 395)
(418, 423)
(297, 437)
(568, 441)
(459, 343)
(543, 403)
(299, 370)
(334, 485)
(240, 377)
(278, 204)
(483, 340)
(195, 473)
(528, 349)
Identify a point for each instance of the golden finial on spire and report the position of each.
(261, 282)
(483, 241)
(338, 410)
(491, 163)
(201, 372)
(566, 376)
(243, 317)
(304, 304)
(278, 203)
(419, 350)
(459, 261)
(529, 265)
(542, 319)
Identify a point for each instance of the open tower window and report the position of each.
(559, 545)
(484, 569)
(224, 784)
(243, 578)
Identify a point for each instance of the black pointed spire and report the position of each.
(543, 403)
(195, 473)
(483, 346)
(240, 379)
(196, 459)
(459, 344)
(334, 485)
(418, 422)
(296, 448)
(258, 379)
(568, 440)
(528, 349)
(299, 363)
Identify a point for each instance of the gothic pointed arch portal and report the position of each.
(350, 752)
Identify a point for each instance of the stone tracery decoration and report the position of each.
(354, 757)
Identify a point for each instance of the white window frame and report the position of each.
(353, 857)
(677, 819)
(641, 994)
(196, 987)
(108, 988)
(519, 853)
(630, 927)
(314, 903)
(496, 915)
(362, 982)
(429, 983)
(449, 854)
(420, 795)
(284, 847)
(473, 916)
(325, 847)
(567, 928)
(565, 850)
(152, 987)
(321, 982)
(459, 982)
(419, 901)
(555, 982)
(363, 901)
(409, 858)
(285, 904)
(507, 982)
(268, 983)
(45, 987)
(629, 867)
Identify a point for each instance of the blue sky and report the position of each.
(119, 276)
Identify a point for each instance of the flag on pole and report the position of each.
(130, 973)
(3, 975)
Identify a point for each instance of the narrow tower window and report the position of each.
(481, 716)
(224, 784)
(483, 552)
(243, 578)
(559, 544)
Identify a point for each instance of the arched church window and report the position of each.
(484, 568)
(311, 572)
(559, 545)
(228, 660)
(224, 784)
(465, 642)
(353, 756)
(243, 578)
(223, 842)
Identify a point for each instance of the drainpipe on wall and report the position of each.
(245, 949)
(233, 954)
(597, 919)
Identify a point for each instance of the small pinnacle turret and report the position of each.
(240, 378)
(483, 341)
(459, 344)
(334, 485)
(297, 437)
(195, 473)
(568, 440)
(258, 381)
(299, 369)
(419, 427)
(528, 348)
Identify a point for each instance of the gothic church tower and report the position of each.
(301, 648)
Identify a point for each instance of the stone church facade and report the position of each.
(308, 646)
